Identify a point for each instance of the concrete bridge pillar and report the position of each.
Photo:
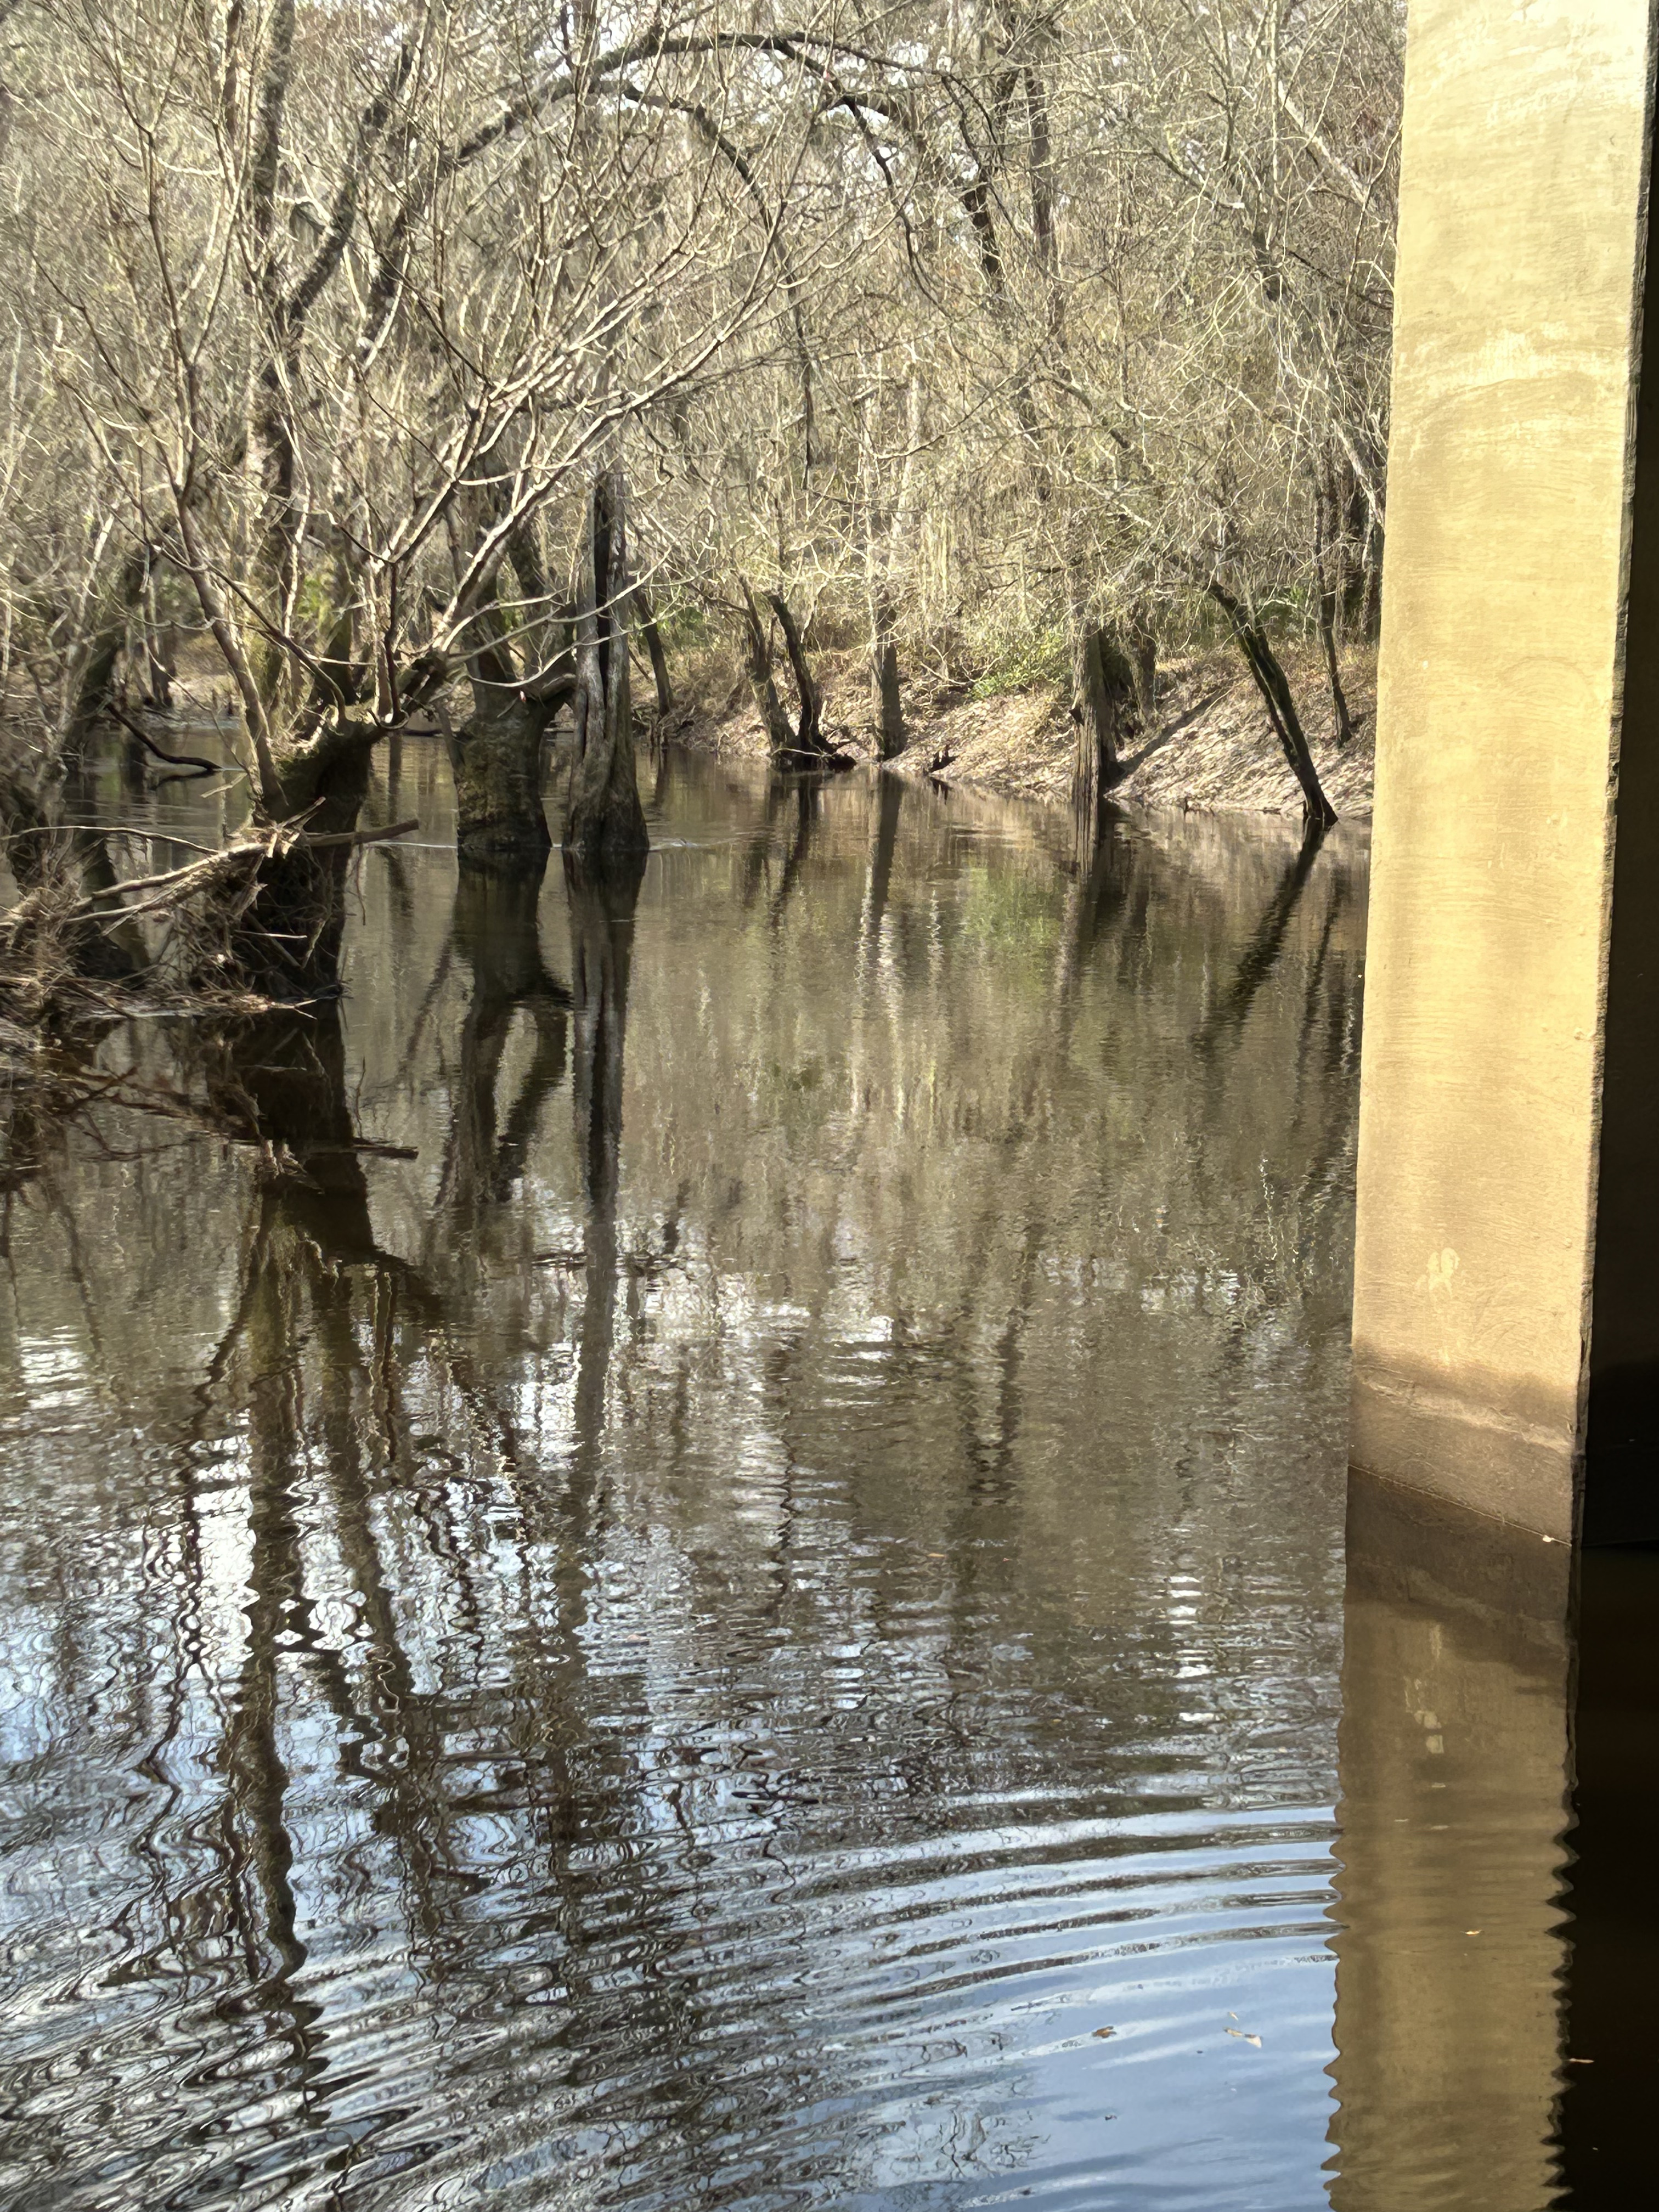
(1506, 1296)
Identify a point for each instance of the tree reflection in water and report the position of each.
(693, 1651)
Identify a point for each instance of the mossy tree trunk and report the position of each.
(496, 759)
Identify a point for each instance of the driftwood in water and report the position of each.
(227, 926)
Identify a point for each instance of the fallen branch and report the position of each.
(194, 764)
(280, 839)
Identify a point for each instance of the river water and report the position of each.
(693, 1555)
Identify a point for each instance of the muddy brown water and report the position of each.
(715, 1573)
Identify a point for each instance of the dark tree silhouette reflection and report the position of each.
(691, 1648)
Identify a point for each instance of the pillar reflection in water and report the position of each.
(1452, 1949)
(1608, 2154)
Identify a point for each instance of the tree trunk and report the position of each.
(653, 636)
(1371, 617)
(808, 731)
(520, 677)
(1104, 687)
(286, 941)
(605, 818)
(888, 706)
(1143, 669)
(1325, 589)
(160, 649)
(94, 677)
(496, 761)
(801, 743)
(757, 664)
(1273, 684)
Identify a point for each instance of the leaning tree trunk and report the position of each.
(1273, 684)
(809, 730)
(1104, 687)
(605, 818)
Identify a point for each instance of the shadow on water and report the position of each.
(1261, 955)
(1605, 2129)
(794, 803)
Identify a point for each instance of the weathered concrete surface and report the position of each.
(1515, 520)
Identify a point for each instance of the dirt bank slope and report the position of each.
(1212, 750)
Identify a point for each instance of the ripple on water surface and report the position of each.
(746, 1612)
